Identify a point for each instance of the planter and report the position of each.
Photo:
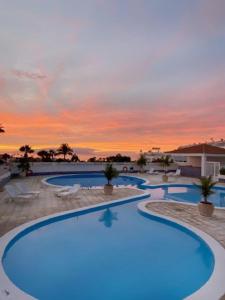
(23, 174)
(165, 178)
(206, 209)
(108, 189)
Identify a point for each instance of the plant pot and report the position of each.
(23, 174)
(206, 209)
(165, 178)
(108, 189)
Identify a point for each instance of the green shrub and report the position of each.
(222, 171)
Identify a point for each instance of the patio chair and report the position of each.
(152, 172)
(15, 195)
(176, 174)
(23, 189)
(70, 193)
(60, 190)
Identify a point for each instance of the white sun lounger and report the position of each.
(177, 173)
(23, 189)
(70, 193)
(15, 195)
(152, 172)
(60, 190)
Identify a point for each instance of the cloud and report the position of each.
(28, 75)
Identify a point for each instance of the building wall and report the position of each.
(194, 161)
(190, 171)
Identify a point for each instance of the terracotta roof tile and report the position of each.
(202, 148)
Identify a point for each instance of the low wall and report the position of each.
(48, 168)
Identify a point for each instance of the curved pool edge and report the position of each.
(45, 182)
(214, 288)
(8, 290)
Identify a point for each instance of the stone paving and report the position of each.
(214, 226)
(16, 213)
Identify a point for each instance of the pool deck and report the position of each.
(13, 214)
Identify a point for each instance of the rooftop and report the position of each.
(199, 149)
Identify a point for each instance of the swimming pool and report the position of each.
(185, 193)
(177, 192)
(113, 251)
(90, 179)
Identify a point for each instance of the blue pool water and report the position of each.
(182, 193)
(107, 253)
(90, 179)
(187, 193)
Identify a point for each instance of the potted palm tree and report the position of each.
(141, 162)
(24, 164)
(205, 207)
(110, 173)
(165, 162)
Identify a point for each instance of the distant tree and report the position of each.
(52, 154)
(165, 162)
(64, 150)
(2, 130)
(118, 158)
(92, 159)
(26, 149)
(75, 158)
(142, 161)
(45, 155)
(5, 156)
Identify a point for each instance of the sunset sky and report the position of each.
(111, 76)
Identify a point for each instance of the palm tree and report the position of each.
(206, 188)
(26, 149)
(52, 153)
(64, 150)
(142, 161)
(45, 156)
(110, 173)
(2, 130)
(75, 158)
(165, 162)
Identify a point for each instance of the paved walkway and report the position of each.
(13, 214)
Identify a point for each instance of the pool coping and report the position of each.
(45, 183)
(8, 290)
(213, 288)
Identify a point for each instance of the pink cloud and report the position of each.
(28, 75)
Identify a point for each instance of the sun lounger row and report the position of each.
(20, 191)
(175, 174)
